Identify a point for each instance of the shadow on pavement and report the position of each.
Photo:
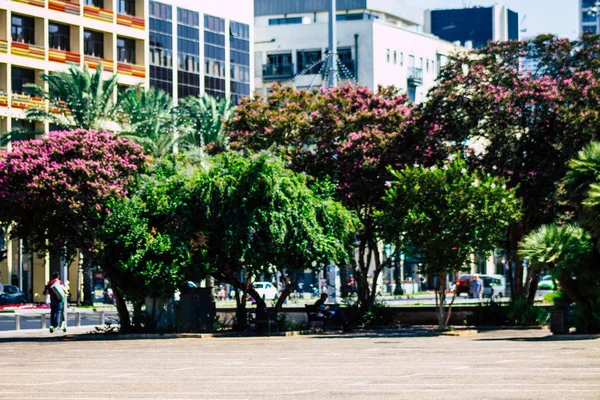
(549, 338)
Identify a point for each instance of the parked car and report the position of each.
(494, 286)
(546, 283)
(463, 284)
(12, 295)
(266, 290)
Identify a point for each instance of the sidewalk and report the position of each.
(44, 334)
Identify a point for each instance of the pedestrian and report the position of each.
(55, 289)
(477, 288)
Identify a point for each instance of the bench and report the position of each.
(263, 320)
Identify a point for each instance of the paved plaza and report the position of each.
(376, 365)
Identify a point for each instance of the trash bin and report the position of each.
(558, 321)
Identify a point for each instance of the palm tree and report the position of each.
(77, 98)
(561, 249)
(206, 118)
(149, 120)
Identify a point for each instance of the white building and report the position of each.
(378, 42)
(202, 47)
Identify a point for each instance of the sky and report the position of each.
(542, 16)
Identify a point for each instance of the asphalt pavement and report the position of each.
(503, 365)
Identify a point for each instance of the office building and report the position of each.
(201, 47)
(473, 27)
(588, 16)
(378, 43)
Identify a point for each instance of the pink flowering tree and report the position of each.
(54, 190)
(349, 135)
(519, 110)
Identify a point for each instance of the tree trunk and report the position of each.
(398, 279)
(516, 235)
(124, 318)
(284, 295)
(88, 280)
(533, 278)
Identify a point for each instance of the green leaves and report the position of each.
(447, 213)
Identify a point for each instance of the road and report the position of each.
(7, 321)
(505, 365)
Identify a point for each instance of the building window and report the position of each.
(126, 7)
(93, 44)
(161, 46)
(125, 50)
(354, 17)
(239, 44)
(588, 3)
(427, 65)
(188, 56)
(20, 77)
(285, 21)
(387, 55)
(308, 59)
(95, 3)
(23, 29)
(401, 59)
(59, 36)
(395, 57)
(347, 67)
(589, 29)
(214, 56)
(588, 16)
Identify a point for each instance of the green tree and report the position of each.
(448, 214)
(253, 216)
(78, 98)
(348, 135)
(149, 119)
(144, 246)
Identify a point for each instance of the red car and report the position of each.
(463, 285)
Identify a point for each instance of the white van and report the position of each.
(494, 286)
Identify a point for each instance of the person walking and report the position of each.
(477, 288)
(55, 289)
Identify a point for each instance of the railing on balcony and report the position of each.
(63, 56)
(98, 13)
(345, 70)
(131, 69)
(415, 76)
(28, 50)
(71, 7)
(130, 20)
(23, 101)
(37, 3)
(3, 99)
(92, 62)
(273, 72)
(3, 46)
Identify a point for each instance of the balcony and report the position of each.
(138, 71)
(92, 62)
(3, 46)
(66, 6)
(415, 76)
(63, 56)
(3, 99)
(28, 50)
(98, 13)
(275, 72)
(132, 21)
(37, 3)
(23, 101)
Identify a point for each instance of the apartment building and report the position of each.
(201, 47)
(41, 36)
(379, 42)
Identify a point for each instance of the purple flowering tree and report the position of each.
(349, 135)
(519, 110)
(54, 190)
